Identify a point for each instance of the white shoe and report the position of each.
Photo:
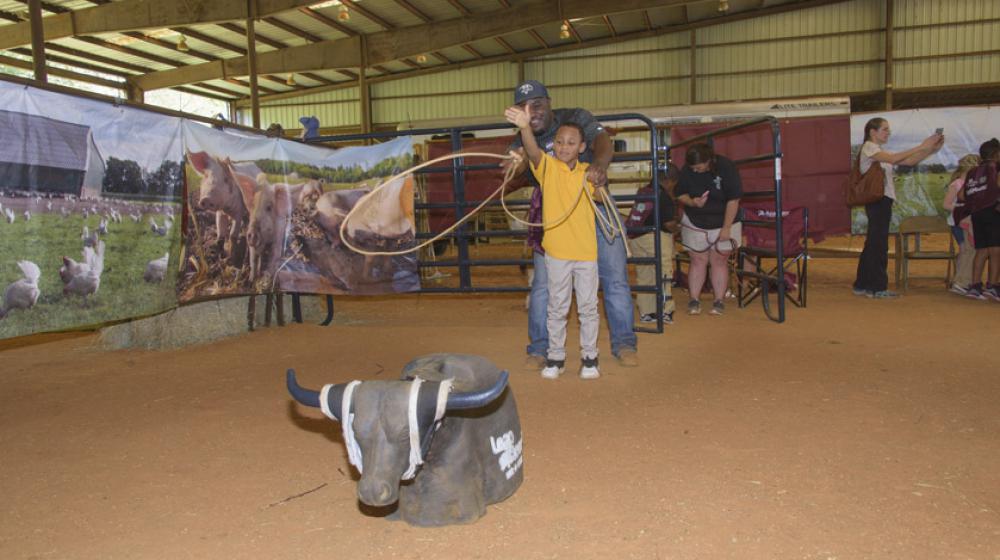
(589, 369)
(553, 369)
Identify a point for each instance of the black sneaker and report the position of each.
(718, 308)
(694, 307)
(668, 318)
(648, 318)
(975, 291)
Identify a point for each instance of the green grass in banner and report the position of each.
(917, 194)
(123, 293)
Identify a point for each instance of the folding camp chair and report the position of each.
(758, 255)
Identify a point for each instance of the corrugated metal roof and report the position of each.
(34, 140)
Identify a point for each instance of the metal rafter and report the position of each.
(611, 27)
(529, 54)
(73, 62)
(277, 45)
(472, 51)
(142, 14)
(426, 19)
(328, 21)
(573, 32)
(463, 11)
(538, 38)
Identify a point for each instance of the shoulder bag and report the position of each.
(864, 188)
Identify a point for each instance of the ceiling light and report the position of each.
(421, 58)
(723, 5)
(291, 80)
(343, 14)
(564, 30)
(182, 45)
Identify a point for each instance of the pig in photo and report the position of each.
(450, 427)
(269, 231)
(229, 195)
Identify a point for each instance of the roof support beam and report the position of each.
(534, 53)
(396, 44)
(37, 40)
(143, 14)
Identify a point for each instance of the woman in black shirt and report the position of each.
(710, 190)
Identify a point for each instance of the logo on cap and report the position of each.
(526, 89)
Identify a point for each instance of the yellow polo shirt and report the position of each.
(575, 238)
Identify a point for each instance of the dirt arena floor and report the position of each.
(857, 429)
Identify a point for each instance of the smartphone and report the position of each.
(939, 131)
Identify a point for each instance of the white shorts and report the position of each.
(700, 240)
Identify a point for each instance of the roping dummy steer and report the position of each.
(451, 413)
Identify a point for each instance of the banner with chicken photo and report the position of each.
(89, 192)
(268, 214)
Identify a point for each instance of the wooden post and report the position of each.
(694, 73)
(134, 93)
(37, 40)
(889, 83)
(365, 94)
(252, 59)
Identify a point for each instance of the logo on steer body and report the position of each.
(436, 425)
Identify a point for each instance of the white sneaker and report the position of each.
(589, 369)
(553, 369)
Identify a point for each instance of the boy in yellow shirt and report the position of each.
(570, 240)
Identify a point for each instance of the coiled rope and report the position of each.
(612, 228)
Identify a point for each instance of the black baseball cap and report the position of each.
(530, 89)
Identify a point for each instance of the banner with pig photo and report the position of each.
(89, 192)
(266, 214)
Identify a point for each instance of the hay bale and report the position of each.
(201, 322)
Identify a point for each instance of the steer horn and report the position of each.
(309, 397)
(476, 399)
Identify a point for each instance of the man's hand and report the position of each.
(597, 175)
(518, 116)
(598, 196)
(518, 162)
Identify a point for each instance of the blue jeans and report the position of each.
(612, 269)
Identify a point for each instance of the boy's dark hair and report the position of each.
(699, 153)
(576, 127)
(671, 175)
(989, 149)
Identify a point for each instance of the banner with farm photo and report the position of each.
(89, 193)
(920, 189)
(267, 214)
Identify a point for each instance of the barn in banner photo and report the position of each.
(491, 279)
(45, 155)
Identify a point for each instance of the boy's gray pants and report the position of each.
(564, 276)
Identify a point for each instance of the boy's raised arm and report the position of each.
(519, 117)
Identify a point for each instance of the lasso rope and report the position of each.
(711, 245)
(610, 229)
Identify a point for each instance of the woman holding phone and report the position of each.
(872, 277)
